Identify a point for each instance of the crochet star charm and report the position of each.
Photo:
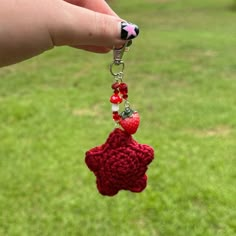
(120, 163)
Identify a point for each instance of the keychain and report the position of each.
(121, 162)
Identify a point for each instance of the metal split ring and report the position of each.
(120, 66)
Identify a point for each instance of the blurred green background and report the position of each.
(181, 72)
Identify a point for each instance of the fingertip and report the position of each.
(129, 30)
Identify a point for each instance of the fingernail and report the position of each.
(129, 30)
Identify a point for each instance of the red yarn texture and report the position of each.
(120, 163)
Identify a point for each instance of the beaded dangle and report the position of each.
(121, 162)
(128, 119)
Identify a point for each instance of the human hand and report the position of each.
(29, 28)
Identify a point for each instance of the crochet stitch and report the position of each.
(120, 163)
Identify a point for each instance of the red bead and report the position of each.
(116, 116)
(115, 98)
(123, 88)
(125, 96)
(115, 86)
(116, 91)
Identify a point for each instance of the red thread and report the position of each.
(120, 163)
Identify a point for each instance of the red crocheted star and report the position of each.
(120, 163)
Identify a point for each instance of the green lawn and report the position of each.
(181, 73)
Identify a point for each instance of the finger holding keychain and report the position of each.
(29, 28)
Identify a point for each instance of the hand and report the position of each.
(29, 28)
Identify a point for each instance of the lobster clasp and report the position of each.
(118, 52)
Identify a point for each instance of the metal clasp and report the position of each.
(118, 52)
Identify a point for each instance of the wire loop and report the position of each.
(120, 66)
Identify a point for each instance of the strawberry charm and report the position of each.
(129, 120)
(121, 162)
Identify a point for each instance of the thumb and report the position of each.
(77, 26)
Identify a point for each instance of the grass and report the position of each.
(182, 77)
